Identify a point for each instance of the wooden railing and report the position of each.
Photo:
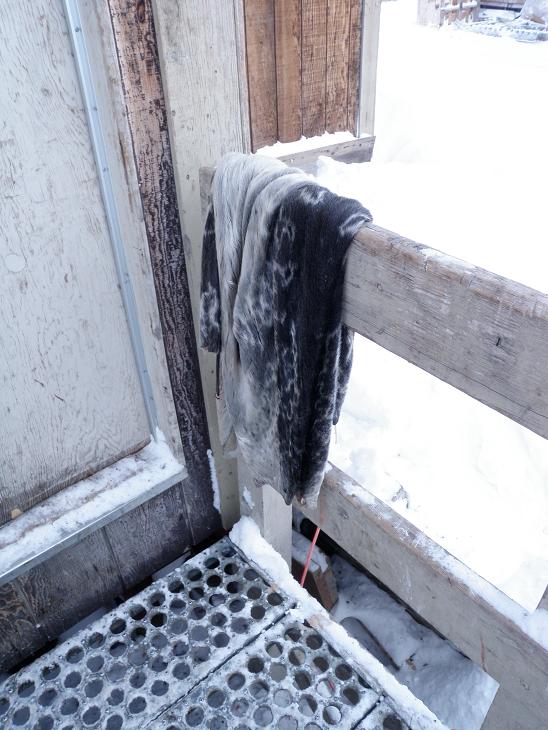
(487, 336)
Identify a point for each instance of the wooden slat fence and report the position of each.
(303, 67)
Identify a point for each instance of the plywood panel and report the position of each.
(288, 69)
(314, 66)
(261, 71)
(70, 400)
(338, 39)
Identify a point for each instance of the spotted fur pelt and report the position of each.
(273, 259)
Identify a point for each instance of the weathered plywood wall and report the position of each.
(303, 67)
(70, 399)
(51, 597)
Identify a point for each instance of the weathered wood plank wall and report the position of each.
(70, 400)
(315, 67)
(50, 598)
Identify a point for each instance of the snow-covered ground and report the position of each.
(460, 164)
(455, 689)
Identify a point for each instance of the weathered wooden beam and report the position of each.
(287, 17)
(508, 713)
(478, 618)
(355, 150)
(314, 66)
(268, 509)
(336, 81)
(261, 71)
(139, 67)
(371, 21)
(482, 333)
(202, 60)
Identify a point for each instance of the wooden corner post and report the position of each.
(371, 20)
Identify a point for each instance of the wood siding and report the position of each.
(303, 67)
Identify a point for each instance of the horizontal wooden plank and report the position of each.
(355, 150)
(479, 619)
(482, 333)
(507, 713)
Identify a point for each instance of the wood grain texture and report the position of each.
(268, 510)
(314, 66)
(57, 591)
(261, 71)
(155, 534)
(338, 42)
(482, 333)
(354, 64)
(288, 69)
(19, 634)
(70, 396)
(508, 713)
(201, 49)
(435, 585)
(137, 52)
(107, 79)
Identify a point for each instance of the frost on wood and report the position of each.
(214, 481)
(89, 502)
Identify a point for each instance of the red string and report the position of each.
(309, 555)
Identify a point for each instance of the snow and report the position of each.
(459, 165)
(88, 503)
(280, 149)
(214, 481)
(246, 536)
(452, 686)
(248, 499)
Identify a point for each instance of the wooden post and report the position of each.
(202, 59)
(370, 50)
(268, 509)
